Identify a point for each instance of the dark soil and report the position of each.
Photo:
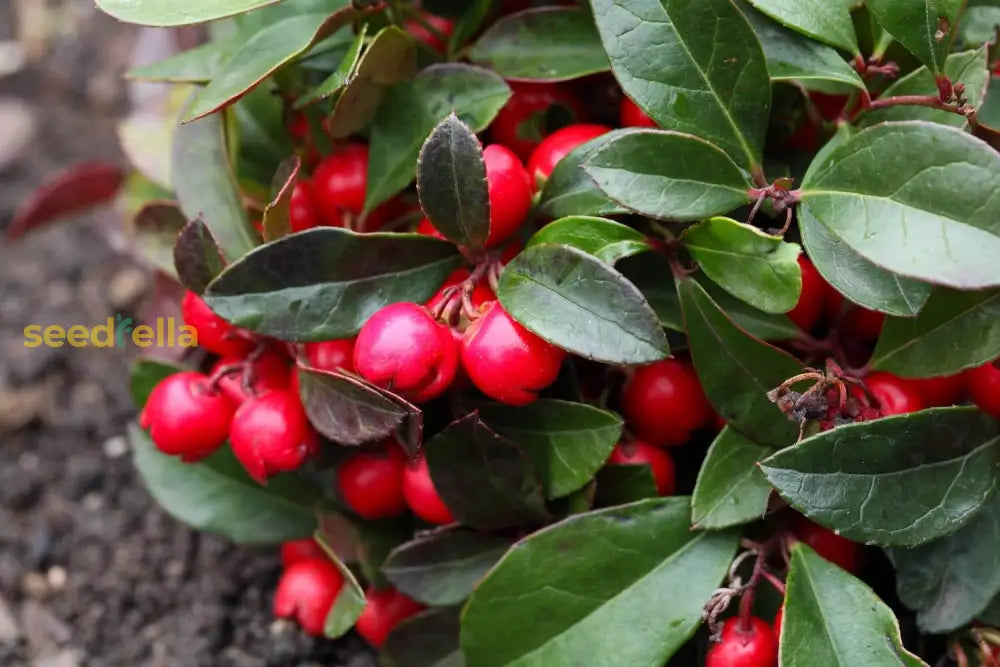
(92, 573)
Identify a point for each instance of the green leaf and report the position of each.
(580, 304)
(736, 370)
(145, 375)
(792, 57)
(897, 481)
(544, 44)
(324, 283)
(694, 67)
(197, 258)
(668, 175)
(950, 580)
(989, 113)
(568, 442)
(731, 490)
(264, 142)
(979, 25)
(954, 331)
(757, 323)
(176, 12)
(925, 28)
(410, 111)
(833, 619)
(276, 221)
(216, 495)
(469, 23)
(198, 65)
(622, 484)
(486, 481)
(892, 187)
(570, 190)
(346, 71)
(605, 239)
(753, 266)
(350, 601)
(206, 188)
(156, 227)
(451, 181)
(637, 570)
(429, 639)
(442, 567)
(968, 67)
(822, 20)
(991, 614)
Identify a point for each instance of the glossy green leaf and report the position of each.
(623, 484)
(197, 258)
(429, 639)
(198, 65)
(753, 266)
(441, 568)
(897, 481)
(276, 221)
(324, 283)
(694, 67)
(485, 480)
(144, 375)
(833, 619)
(926, 28)
(822, 20)
(451, 181)
(617, 568)
(736, 370)
(605, 239)
(177, 12)
(346, 70)
(217, 495)
(469, 23)
(570, 190)
(350, 600)
(989, 113)
(155, 228)
(731, 490)
(575, 301)
(668, 175)
(264, 141)
(892, 187)
(568, 442)
(547, 44)
(757, 323)
(410, 111)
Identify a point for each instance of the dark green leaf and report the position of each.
(217, 495)
(177, 12)
(486, 481)
(605, 239)
(622, 484)
(694, 67)
(451, 181)
(979, 25)
(755, 267)
(892, 187)
(737, 370)
(324, 283)
(637, 569)
(429, 639)
(668, 175)
(580, 304)
(346, 70)
(991, 614)
(569, 190)
(925, 28)
(276, 221)
(469, 23)
(145, 375)
(731, 490)
(567, 442)
(757, 323)
(441, 568)
(833, 619)
(898, 481)
(264, 141)
(197, 65)
(547, 44)
(350, 601)
(410, 111)
(989, 113)
(828, 22)
(156, 227)
(197, 258)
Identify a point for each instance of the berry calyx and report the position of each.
(481, 293)
(384, 610)
(558, 145)
(509, 189)
(186, 417)
(421, 496)
(984, 388)
(307, 591)
(214, 333)
(521, 123)
(810, 305)
(403, 348)
(294, 551)
(752, 645)
(838, 550)
(269, 371)
(331, 355)
(660, 463)
(896, 396)
(271, 434)
(664, 402)
(371, 483)
(339, 185)
(630, 115)
(302, 212)
(506, 361)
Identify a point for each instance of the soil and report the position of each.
(92, 573)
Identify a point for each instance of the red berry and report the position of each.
(294, 551)
(829, 106)
(402, 348)
(481, 293)
(778, 618)
(372, 483)
(302, 213)
(298, 125)
(896, 396)
(339, 185)
(422, 34)
(270, 434)
(863, 323)
(421, 496)
(664, 402)
(520, 125)
(506, 361)
(383, 611)
(558, 145)
(331, 355)
(805, 138)
(214, 333)
(306, 592)
(942, 390)
(984, 388)
(630, 115)
(426, 228)
(186, 418)
(269, 371)
(836, 549)
(755, 646)
(659, 461)
(809, 307)
(509, 191)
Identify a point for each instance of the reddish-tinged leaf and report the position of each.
(197, 256)
(276, 214)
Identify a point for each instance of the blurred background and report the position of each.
(92, 573)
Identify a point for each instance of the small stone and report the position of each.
(57, 577)
(35, 585)
(115, 447)
(64, 658)
(127, 286)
